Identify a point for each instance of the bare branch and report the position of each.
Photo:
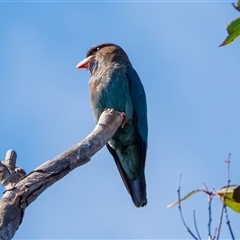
(236, 7)
(22, 193)
(180, 210)
(210, 217)
(229, 225)
(195, 225)
(225, 208)
(223, 205)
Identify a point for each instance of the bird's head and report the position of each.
(103, 54)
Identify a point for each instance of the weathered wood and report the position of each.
(10, 174)
(21, 194)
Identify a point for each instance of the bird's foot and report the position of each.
(124, 119)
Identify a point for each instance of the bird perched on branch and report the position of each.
(115, 84)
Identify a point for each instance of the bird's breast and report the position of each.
(109, 88)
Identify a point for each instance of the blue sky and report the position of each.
(192, 89)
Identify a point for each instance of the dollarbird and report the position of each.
(115, 84)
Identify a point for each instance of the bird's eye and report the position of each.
(98, 48)
(93, 66)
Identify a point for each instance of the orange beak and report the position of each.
(84, 63)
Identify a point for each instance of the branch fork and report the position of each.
(22, 189)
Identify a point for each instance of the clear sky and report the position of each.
(193, 96)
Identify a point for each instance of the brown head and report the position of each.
(104, 53)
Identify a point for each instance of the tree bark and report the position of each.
(22, 189)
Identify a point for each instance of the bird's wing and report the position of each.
(140, 109)
(136, 187)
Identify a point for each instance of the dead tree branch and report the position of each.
(22, 189)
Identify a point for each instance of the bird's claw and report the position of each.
(124, 119)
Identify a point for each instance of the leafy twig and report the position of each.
(229, 196)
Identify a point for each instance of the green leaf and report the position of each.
(233, 31)
(233, 25)
(231, 37)
(230, 196)
(185, 197)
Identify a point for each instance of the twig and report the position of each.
(228, 223)
(210, 215)
(195, 225)
(225, 208)
(223, 205)
(210, 197)
(228, 169)
(220, 223)
(215, 234)
(180, 210)
(236, 7)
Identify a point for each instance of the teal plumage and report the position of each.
(115, 84)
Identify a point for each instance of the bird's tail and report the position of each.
(135, 187)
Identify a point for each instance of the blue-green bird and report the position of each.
(115, 84)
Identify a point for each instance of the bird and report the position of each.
(115, 84)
